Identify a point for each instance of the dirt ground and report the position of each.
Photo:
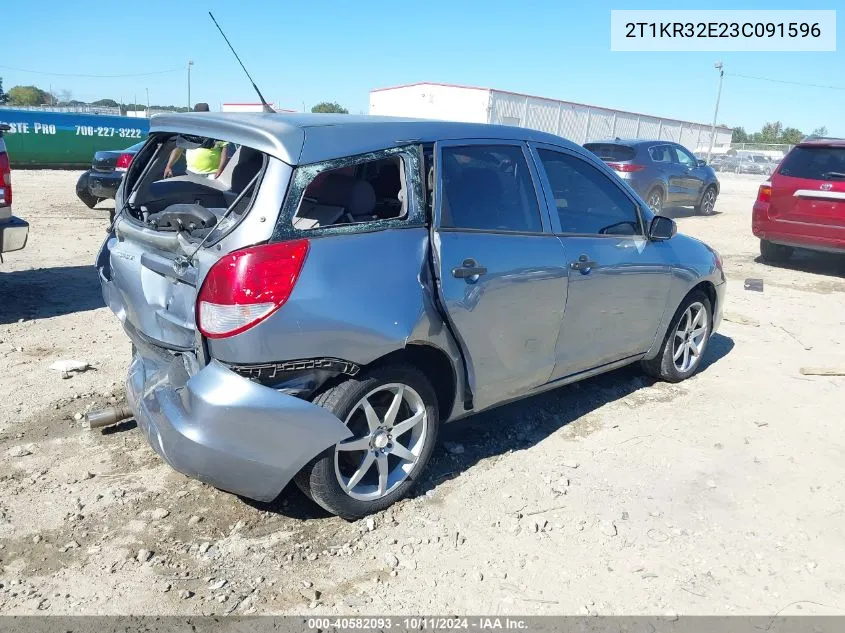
(720, 495)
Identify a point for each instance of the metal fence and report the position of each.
(582, 123)
(768, 148)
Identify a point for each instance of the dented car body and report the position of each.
(348, 283)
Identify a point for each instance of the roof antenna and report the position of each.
(264, 103)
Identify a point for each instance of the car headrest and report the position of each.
(388, 182)
(342, 190)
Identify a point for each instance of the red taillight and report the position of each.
(5, 181)
(764, 193)
(245, 287)
(625, 167)
(123, 162)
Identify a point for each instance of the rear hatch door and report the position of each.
(151, 273)
(150, 286)
(809, 187)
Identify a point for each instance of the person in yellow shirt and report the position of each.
(202, 161)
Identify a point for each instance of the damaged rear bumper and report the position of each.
(223, 429)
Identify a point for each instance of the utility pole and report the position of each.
(190, 63)
(148, 102)
(721, 68)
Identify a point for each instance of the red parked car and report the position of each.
(803, 203)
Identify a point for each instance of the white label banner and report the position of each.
(722, 30)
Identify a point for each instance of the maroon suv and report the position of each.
(803, 203)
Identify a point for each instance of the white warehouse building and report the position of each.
(577, 122)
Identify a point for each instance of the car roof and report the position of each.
(308, 138)
(822, 142)
(631, 142)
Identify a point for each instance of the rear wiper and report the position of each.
(833, 174)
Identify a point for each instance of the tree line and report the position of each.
(774, 133)
(35, 96)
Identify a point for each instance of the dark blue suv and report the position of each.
(665, 174)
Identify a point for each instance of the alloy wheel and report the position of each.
(690, 337)
(389, 427)
(709, 202)
(655, 201)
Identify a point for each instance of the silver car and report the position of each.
(748, 164)
(347, 284)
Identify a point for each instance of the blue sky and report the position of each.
(303, 52)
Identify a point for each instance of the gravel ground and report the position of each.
(720, 495)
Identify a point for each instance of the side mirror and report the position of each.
(662, 228)
(702, 163)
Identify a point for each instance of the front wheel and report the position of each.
(392, 414)
(707, 204)
(685, 342)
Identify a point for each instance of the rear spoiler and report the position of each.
(4, 128)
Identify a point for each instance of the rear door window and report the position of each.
(587, 201)
(611, 151)
(661, 154)
(367, 192)
(488, 187)
(816, 163)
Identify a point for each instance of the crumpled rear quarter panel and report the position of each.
(359, 296)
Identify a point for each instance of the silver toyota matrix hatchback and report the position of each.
(347, 284)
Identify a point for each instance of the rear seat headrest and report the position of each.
(342, 190)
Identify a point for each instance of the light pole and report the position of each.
(148, 102)
(721, 68)
(190, 63)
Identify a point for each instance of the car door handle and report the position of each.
(583, 263)
(468, 269)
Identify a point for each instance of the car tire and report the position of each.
(707, 204)
(672, 363)
(328, 478)
(775, 253)
(654, 200)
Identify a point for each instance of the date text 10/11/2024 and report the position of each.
(418, 623)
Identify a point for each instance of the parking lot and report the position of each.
(723, 494)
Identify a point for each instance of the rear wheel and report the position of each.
(393, 417)
(771, 252)
(654, 200)
(707, 204)
(685, 342)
